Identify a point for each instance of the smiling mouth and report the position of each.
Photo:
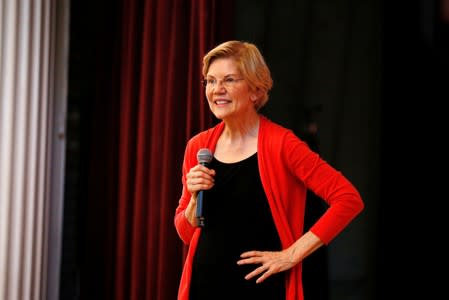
(221, 102)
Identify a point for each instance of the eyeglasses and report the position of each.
(227, 82)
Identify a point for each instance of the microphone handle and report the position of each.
(199, 204)
(199, 209)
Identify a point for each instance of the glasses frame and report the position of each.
(227, 82)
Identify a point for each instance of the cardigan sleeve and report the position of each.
(183, 227)
(208, 139)
(344, 201)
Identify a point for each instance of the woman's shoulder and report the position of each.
(274, 129)
(275, 134)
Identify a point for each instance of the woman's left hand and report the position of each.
(271, 262)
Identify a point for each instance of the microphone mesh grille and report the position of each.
(204, 156)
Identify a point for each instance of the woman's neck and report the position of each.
(241, 129)
(238, 140)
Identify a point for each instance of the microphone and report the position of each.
(204, 157)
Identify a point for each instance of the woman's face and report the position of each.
(227, 92)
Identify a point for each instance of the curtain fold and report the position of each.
(159, 105)
(33, 82)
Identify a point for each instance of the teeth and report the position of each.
(221, 101)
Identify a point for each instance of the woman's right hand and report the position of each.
(199, 178)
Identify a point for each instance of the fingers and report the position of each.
(199, 178)
(265, 269)
(255, 257)
(270, 263)
(262, 269)
(251, 254)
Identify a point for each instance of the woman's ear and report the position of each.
(255, 95)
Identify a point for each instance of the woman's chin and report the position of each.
(220, 115)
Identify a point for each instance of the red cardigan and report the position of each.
(287, 168)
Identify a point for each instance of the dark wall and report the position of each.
(415, 87)
(93, 34)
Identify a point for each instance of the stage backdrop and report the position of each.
(135, 97)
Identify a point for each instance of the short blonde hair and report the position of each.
(250, 63)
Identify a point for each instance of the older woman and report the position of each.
(252, 243)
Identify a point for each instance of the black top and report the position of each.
(237, 219)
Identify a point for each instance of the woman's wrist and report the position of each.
(190, 213)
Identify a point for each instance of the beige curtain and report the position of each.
(33, 76)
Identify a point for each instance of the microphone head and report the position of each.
(204, 156)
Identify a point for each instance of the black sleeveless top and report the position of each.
(237, 219)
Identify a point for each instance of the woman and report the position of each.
(252, 243)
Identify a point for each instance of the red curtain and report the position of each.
(153, 105)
